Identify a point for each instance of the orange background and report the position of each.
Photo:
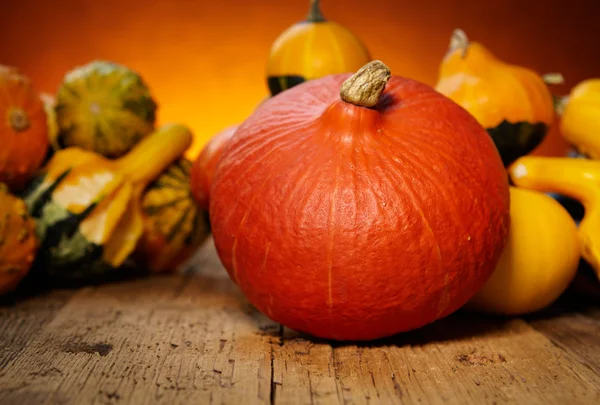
(205, 60)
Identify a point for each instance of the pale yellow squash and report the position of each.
(539, 261)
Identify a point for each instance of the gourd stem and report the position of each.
(19, 121)
(314, 13)
(459, 40)
(153, 154)
(364, 88)
(560, 102)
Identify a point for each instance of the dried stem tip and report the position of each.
(364, 88)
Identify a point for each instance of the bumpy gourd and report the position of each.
(18, 243)
(311, 49)
(105, 108)
(512, 102)
(355, 207)
(576, 178)
(539, 261)
(23, 129)
(87, 208)
(174, 227)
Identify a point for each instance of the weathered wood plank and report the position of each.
(575, 329)
(465, 359)
(193, 338)
(156, 340)
(22, 317)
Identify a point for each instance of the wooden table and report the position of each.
(193, 338)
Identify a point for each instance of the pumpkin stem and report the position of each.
(19, 121)
(364, 88)
(154, 153)
(314, 13)
(459, 40)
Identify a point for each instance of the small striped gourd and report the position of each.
(174, 226)
(105, 108)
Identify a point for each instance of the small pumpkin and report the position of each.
(174, 227)
(539, 261)
(104, 107)
(512, 102)
(354, 207)
(23, 133)
(203, 169)
(18, 243)
(311, 49)
(87, 207)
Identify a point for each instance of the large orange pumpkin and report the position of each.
(354, 214)
(205, 164)
(23, 133)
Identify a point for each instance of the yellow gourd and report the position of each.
(575, 178)
(311, 49)
(580, 117)
(539, 260)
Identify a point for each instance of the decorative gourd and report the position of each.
(23, 132)
(104, 107)
(311, 49)
(539, 261)
(87, 207)
(174, 227)
(18, 243)
(580, 117)
(575, 178)
(354, 214)
(203, 169)
(512, 102)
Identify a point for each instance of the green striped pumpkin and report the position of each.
(174, 226)
(104, 107)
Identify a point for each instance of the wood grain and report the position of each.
(193, 338)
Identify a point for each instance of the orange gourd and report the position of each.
(204, 166)
(18, 243)
(354, 207)
(23, 133)
(512, 102)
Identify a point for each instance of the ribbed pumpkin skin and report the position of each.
(23, 129)
(104, 107)
(18, 243)
(352, 223)
(174, 227)
(204, 166)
